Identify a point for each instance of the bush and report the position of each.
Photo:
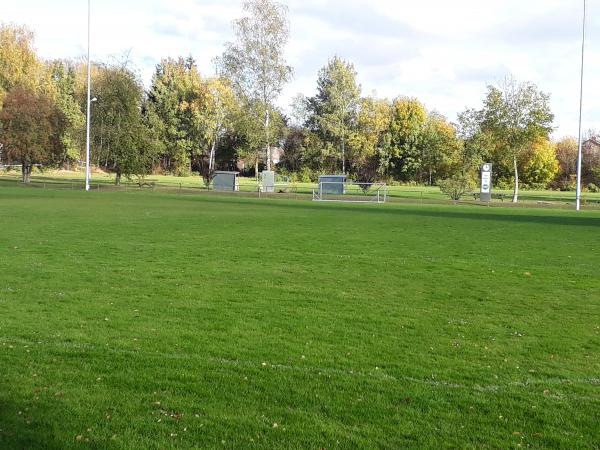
(567, 186)
(562, 185)
(534, 186)
(504, 185)
(283, 172)
(306, 175)
(392, 182)
(456, 187)
(593, 188)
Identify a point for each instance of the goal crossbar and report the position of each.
(333, 191)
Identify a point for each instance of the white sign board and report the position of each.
(486, 183)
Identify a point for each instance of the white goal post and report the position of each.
(334, 191)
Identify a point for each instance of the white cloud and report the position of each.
(441, 52)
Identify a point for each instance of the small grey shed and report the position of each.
(268, 181)
(225, 181)
(332, 184)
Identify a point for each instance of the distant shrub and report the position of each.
(504, 185)
(534, 186)
(284, 172)
(393, 182)
(456, 187)
(593, 188)
(306, 175)
(182, 172)
(284, 177)
(567, 186)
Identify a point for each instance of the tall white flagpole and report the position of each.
(89, 104)
(580, 149)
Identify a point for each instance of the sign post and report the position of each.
(485, 194)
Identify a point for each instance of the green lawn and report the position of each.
(145, 320)
(195, 184)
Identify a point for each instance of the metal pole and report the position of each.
(89, 104)
(580, 149)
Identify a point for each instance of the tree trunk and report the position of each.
(211, 159)
(118, 178)
(516, 187)
(256, 167)
(26, 172)
(267, 118)
(268, 157)
(343, 156)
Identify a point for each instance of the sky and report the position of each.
(444, 53)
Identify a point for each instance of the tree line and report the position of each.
(189, 123)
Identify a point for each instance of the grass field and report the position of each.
(194, 184)
(154, 321)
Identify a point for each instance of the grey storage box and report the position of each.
(267, 180)
(332, 184)
(225, 181)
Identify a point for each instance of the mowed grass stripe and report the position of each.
(379, 326)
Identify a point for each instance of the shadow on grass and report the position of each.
(555, 217)
(17, 434)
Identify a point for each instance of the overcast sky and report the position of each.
(442, 52)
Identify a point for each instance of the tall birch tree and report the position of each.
(255, 62)
(334, 109)
(516, 115)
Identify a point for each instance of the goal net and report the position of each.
(333, 191)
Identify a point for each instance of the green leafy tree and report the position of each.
(212, 109)
(335, 107)
(121, 137)
(63, 75)
(540, 165)
(19, 64)
(219, 112)
(255, 63)
(300, 113)
(440, 149)
(294, 148)
(247, 134)
(367, 139)
(31, 127)
(304, 151)
(245, 124)
(409, 118)
(175, 85)
(476, 145)
(54, 82)
(516, 115)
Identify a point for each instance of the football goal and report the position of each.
(336, 191)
